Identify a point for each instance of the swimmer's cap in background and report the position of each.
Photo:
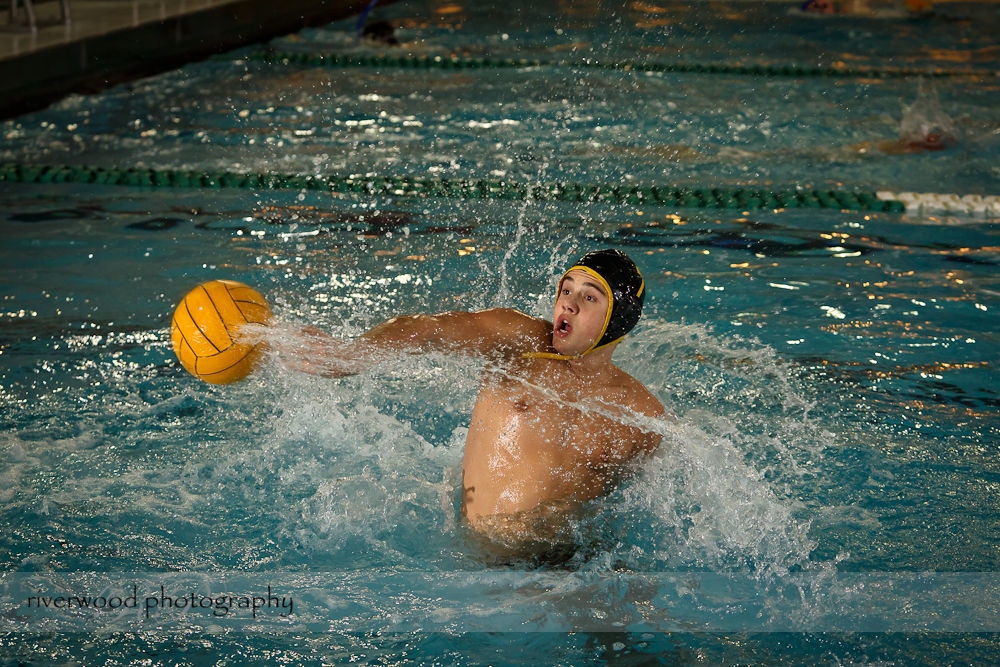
(626, 290)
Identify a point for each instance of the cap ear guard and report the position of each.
(627, 287)
(625, 315)
(627, 311)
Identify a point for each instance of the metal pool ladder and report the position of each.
(30, 22)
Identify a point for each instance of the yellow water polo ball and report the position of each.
(205, 330)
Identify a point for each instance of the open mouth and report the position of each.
(563, 326)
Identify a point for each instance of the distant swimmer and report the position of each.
(869, 8)
(931, 141)
(555, 424)
(380, 31)
(925, 125)
(819, 6)
(898, 147)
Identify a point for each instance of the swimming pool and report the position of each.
(827, 494)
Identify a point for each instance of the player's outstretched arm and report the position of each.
(490, 333)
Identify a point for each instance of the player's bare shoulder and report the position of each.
(516, 331)
(506, 318)
(634, 395)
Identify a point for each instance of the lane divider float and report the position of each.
(338, 60)
(945, 203)
(471, 188)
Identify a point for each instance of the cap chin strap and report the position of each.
(556, 355)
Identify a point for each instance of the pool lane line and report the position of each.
(471, 188)
(661, 195)
(946, 203)
(339, 60)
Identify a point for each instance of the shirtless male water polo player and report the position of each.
(555, 423)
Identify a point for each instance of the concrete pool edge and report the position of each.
(33, 80)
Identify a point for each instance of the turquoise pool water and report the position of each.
(828, 493)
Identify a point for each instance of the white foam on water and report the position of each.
(732, 387)
(714, 510)
(374, 486)
(722, 491)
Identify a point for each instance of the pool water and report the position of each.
(574, 122)
(827, 493)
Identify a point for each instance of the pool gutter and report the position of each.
(35, 79)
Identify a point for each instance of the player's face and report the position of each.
(580, 313)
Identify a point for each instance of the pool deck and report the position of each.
(105, 42)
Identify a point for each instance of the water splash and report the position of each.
(925, 124)
(719, 495)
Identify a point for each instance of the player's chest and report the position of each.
(553, 393)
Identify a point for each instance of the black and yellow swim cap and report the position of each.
(626, 291)
(625, 287)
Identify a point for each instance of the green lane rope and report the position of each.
(472, 62)
(461, 188)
